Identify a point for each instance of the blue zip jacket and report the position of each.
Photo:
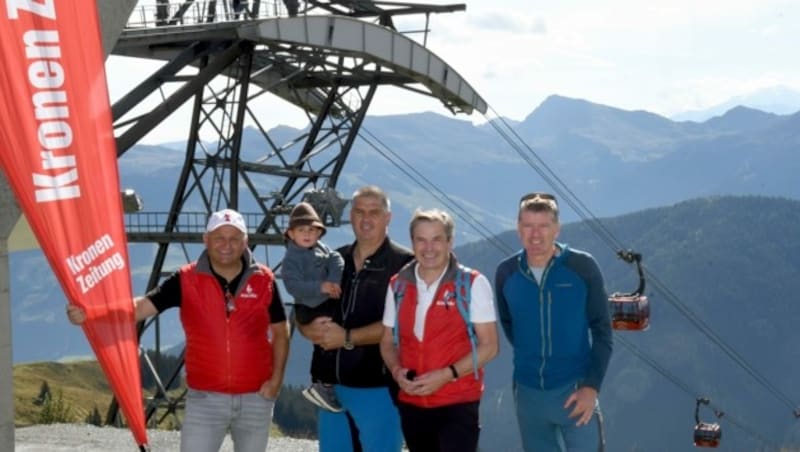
(548, 326)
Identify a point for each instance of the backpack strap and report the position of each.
(399, 290)
(463, 300)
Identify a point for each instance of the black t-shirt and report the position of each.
(168, 295)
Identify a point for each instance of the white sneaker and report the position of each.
(323, 396)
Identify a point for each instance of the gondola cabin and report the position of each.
(707, 434)
(629, 312)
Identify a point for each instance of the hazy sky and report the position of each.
(661, 56)
(665, 57)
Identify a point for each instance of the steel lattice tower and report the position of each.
(327, 57)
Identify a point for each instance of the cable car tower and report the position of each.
(326, 57)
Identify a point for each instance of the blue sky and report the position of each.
(666, 57)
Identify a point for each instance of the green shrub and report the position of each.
(55, 410)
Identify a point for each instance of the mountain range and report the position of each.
(721, 282)
(778, 99)
(625, 166)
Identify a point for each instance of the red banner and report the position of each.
(58, 152)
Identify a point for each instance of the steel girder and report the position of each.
(225, 65)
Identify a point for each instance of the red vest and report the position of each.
(445, 341)
(224, 354)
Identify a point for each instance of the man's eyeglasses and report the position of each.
(539, 198)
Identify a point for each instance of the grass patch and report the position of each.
(82, 386)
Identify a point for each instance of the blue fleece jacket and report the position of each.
(548, 325)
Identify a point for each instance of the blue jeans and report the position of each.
(375, 416)
(545, 424)
(209, 415)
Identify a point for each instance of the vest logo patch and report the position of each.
(448, 299)
(248, 292)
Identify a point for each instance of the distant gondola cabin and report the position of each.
(629, 312)
(707, 434)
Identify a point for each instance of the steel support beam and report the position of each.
(328, 65)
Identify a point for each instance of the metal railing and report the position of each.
(153, 15)
(187, 222)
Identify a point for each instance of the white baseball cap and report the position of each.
(226, 217)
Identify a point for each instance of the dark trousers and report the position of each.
(323, 366)
(305, 315)
(451, 428)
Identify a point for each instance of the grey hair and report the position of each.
(433, 216)
(373, 191)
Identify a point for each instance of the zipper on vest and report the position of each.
(228, 351)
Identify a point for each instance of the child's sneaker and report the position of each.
(324, 396)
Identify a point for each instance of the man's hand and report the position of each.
(270, 390)
(427, 383)
(75, 314)
(407, 385)
(323, 331)
(332, 336)
(584, 399)
(315, 330)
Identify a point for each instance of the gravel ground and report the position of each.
(88, 438)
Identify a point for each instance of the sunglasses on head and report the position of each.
(539, 197)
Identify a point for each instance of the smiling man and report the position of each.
(440, 331)
(549, 299)
(369, 421)
(237, 338)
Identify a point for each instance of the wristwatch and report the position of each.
(348, 343)
(453, 371)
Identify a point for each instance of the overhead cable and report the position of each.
(520, 146)
(420, 179)
(689, 391)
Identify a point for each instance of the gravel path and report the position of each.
(88, 438)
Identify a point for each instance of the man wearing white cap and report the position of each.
(237, 338)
